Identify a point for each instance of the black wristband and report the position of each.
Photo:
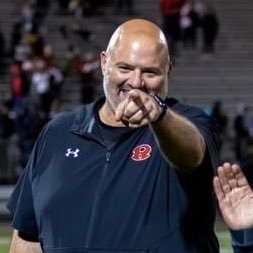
(162, 104)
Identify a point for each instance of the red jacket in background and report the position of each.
(169, 7)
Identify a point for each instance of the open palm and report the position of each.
(235, 196)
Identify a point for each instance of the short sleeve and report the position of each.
(21, 203)
(207, 126)
(209, 130)
(21, 207)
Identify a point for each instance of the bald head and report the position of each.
(139, 31)
(136, 58)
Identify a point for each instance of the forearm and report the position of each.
(19, 245)
(179, 140)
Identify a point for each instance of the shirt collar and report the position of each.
(84, 119)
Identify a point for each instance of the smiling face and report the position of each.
(136, 58)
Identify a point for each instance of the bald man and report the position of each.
(131, 172)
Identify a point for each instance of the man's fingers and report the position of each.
(134, 104)
(218, 189)
(119, 112)
(144, 122)
(240, 178)
(231, 178)
(222, 173)
(132, 97)
(232, 172)
(137, 109)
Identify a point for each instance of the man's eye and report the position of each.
(150, 73)
(124, 69)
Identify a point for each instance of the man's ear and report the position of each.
(170, 65)
(103, 60)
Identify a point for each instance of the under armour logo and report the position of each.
(72, 153)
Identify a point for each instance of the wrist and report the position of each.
(162, 105)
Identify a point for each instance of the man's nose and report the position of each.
(136, 80)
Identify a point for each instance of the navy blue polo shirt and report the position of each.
(80, 195)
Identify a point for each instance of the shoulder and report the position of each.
(66, 120)
(186, 110)
(207, 126)
(60, 125)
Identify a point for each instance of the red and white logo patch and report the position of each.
(141, 152)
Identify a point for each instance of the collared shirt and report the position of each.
(78, 194)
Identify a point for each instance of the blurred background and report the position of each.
(49, 62)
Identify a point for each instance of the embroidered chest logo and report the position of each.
(141, 152)
(72, 153)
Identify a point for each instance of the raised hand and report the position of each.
(235, 196)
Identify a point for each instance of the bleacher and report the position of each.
(227, 77)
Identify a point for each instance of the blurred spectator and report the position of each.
(249, 122)
(170, 10)
(71, 58)
(27, 19)
(88, 64)
(56, 83)
(7, 128)
(210, 27)
(189, 22)
(35, 41)
(221, 118)
(27, 68)
(56, 79)
(29, 123)
(85, 66)
(17, 86)
(27, 34)
(21, 51)
(48, 56)
(16, 37)
(46, 86)
(241, 132)
(40, 86)
(199, 8)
